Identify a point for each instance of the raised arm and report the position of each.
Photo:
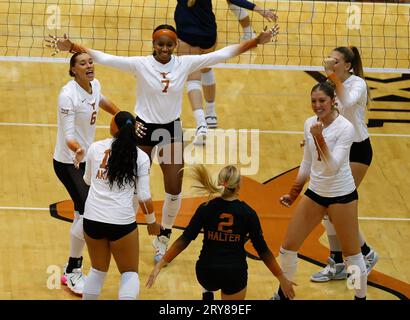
(348, 98)
(108, 106)
(65, 44)
(334, 160)
(209, 59)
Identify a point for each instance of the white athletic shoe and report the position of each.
(160, 244)
(371, 259)
(200, 135)
(74, 280)
(212, 121)
(333, 271)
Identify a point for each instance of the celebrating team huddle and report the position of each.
(109, 180)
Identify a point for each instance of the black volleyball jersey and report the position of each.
(227, 225)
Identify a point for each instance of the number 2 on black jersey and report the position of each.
(223, 226)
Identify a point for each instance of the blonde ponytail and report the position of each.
(228, 180)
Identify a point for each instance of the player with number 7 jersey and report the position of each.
(161, 79)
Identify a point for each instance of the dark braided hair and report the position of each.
(122, 162)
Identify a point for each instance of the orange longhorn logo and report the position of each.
(263, 198)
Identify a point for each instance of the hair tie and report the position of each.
(224, 184)
(128, 122)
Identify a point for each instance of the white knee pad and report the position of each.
(193, 85)
(358, 279)
(172, 204)
(208, 78)
(330, 229)
(240, 13)
(76, 229)
(129, 286)
(288, 262)
(93, 284)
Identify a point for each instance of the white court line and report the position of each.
(22, 124)
(47, 209)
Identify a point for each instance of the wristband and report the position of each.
(150, 218)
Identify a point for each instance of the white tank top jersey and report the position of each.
(335, 180)
(160, 87)
(104, 204)
(354, 108)
(76, 117)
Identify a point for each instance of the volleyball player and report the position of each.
(227, 223)
(160, 83)
(344, 68)
(78, 106)
(117, 172)
(197, 32)
(331, 190)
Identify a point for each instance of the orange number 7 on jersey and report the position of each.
(166, 85)
(225, 224)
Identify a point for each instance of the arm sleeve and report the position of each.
(88, 169)
(143, 187)
(195, 225)
(243, 4)
(349, 98)
(256, 234)
(122, 63)
(334, 160)
(306, 164)
(304, 170)
(67, 116)
(209, 59)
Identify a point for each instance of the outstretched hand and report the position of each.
(59, 44)
(268, 14)
(268, 34)
(155, 272)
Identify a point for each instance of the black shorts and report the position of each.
(327, 201)
(100, 230)
(198, 41)
(361, 152)
(73, 181)
(161, 134)
(228, 280)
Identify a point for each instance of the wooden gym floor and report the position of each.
(34, 245)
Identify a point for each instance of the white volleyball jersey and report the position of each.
(160, 87)
(354, 107)
(336, 179)
(105, 204)
(76, 118)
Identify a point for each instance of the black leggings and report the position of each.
(73, 181)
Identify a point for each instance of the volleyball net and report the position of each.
(309, 30)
